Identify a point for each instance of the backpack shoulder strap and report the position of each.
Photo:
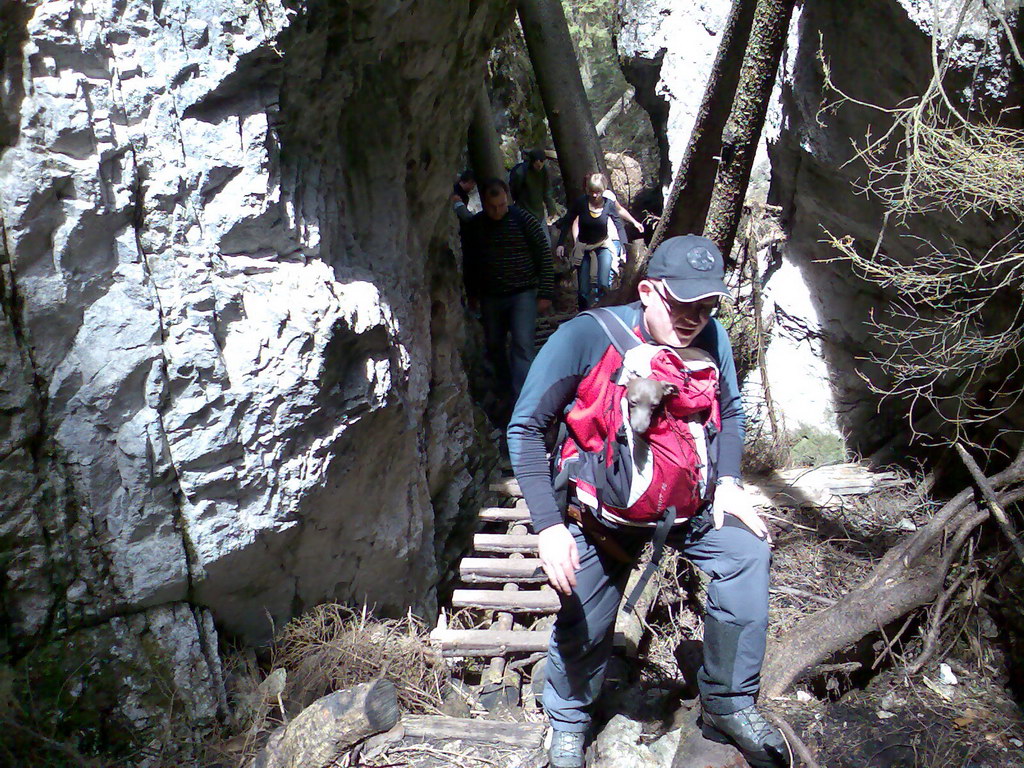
(615, 328)
(515, 178)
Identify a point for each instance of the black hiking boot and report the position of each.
(566, 749)
(761, 743)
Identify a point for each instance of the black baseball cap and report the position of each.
(690, 266)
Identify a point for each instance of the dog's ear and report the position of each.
(670, 389)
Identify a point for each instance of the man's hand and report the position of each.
(732, 499)
(559, 251)
(640, 227)
(544, 306)
(560, 557)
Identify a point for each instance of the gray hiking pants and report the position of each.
(735, 623)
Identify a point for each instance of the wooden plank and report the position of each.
(490, 643)
(507, 485)
(490, 570)
(486, 642)
(533, 601)
(504, 514)
(505, 543)
(525, 735)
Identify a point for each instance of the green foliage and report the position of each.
(811, 446)
(515, 86)
(804, 446)
(591, 25)
(42, 710)
(66, 702)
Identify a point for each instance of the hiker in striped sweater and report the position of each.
(508, 272)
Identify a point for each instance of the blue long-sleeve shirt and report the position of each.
(550, 388)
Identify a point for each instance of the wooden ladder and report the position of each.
(504, 575)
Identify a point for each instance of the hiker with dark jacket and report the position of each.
(507, 268)
(596, 228)
(460, 195)
(531, 188)
(722, 533)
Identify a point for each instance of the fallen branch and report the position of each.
(989, 494)
(909, 575)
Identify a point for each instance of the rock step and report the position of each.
(505, 543)
(500, 570)
(533, 601)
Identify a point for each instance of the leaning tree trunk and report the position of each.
(743, 128)
(482, 140)
(908, 576)
(690, 196)
(561, 90)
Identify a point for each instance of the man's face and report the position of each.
(537, 164)
(670, 322)
(496, 204)
(468, 185)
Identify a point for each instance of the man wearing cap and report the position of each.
(729, 541)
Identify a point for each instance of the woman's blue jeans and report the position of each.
(589, 294)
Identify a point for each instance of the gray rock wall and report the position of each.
(879, 55)
(230, 323)
(879, 52)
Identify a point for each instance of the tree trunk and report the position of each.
(330, 725)
(909, 575)
(690, 196)
(743, 128)
(561, 90)
(482, 140)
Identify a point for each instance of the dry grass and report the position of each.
(333, 647)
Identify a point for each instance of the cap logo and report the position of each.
(700, 258)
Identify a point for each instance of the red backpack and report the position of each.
(638, 478)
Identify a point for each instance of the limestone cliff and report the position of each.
(230, 330)
(879, 52)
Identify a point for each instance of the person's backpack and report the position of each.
(517, 179)
(641, 478)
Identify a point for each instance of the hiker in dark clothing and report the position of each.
(460, 194)
(531, 188)
(507, 267)
(597, 230)
(724, 536)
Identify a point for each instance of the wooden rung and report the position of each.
(490, 642)
(524, 735)
(490, 570)
(504, 514)
(533, 601)
(505, 543)
(487, 642)
(507, 485)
